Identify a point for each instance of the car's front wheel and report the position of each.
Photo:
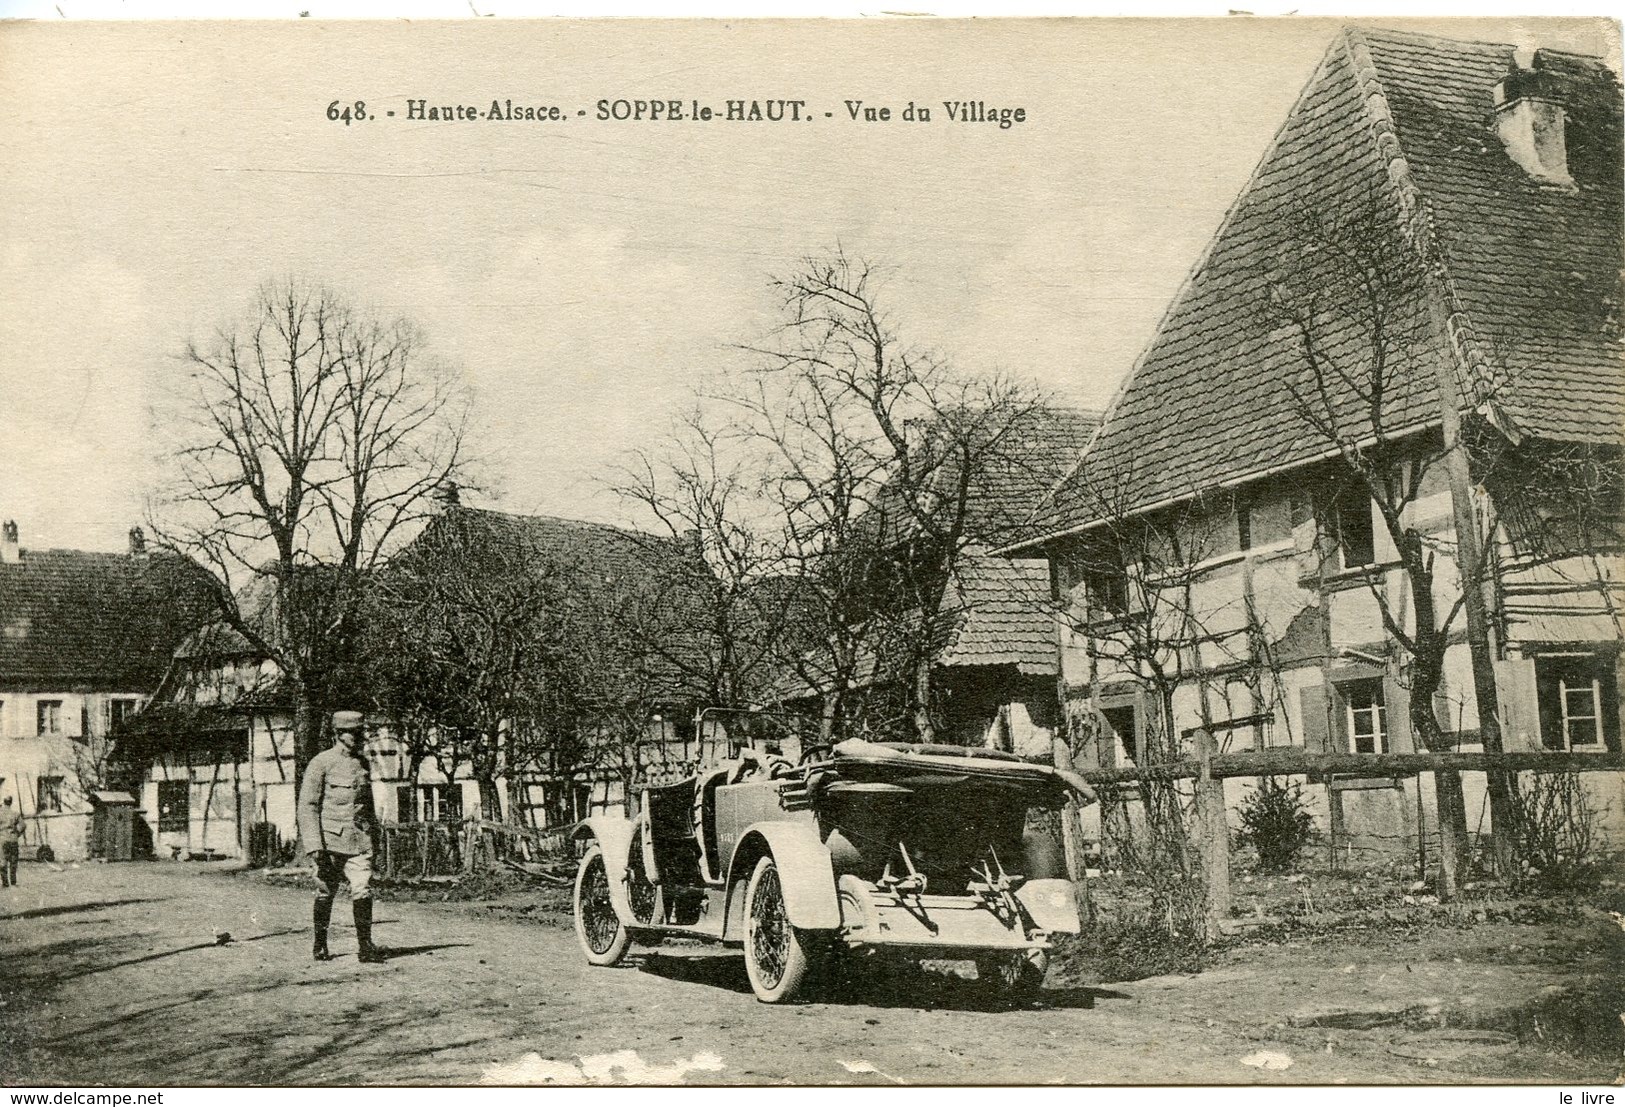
(603, 936)
(777, 955)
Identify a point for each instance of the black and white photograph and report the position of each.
(900, 551)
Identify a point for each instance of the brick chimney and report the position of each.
(138, 542)
(447, 495)
(10, 552)
(1529, 119)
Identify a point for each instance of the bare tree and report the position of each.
(1359, 299)
(878, 449)
(702, 488)
(305, 439)
(1148, 624)
(618, 683)
(464, 646)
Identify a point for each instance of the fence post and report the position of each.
(1453, 845)
(1213, 834)
(1077, 870)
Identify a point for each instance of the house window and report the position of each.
(1356, 534)
(1579, 702)
(442, 803)
(50, 794)
(1244, 521)
(119, 712)
(1367, 716)
(49, 717)
(1108, 594)
(1124, 723)
(84, 720)
(405, 805)
(174, 805)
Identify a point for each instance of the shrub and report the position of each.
(266, 849)
(1275, 820)
(1557, 835)
(1131, 945)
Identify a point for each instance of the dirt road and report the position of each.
(117, 974)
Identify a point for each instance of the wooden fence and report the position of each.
(424, 849)
(1208, 770)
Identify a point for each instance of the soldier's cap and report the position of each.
(348, 720)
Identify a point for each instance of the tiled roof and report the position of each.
(665, 576)
(999, 604)
(1537, 269)
(1001, 616)
(1534, 272)
(72, 620)
(1036, 452)
(1034, 449)
(1005, 615)
(611, 555)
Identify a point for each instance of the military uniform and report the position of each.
(11, 837)
(336, 823)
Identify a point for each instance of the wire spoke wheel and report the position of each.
(776, 953)
(769, 929)
(603, 937)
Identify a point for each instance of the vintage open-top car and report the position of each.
(919, 850)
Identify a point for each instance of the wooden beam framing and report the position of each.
(1295, 761)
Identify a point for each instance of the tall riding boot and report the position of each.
(366, 952)
(321, 911)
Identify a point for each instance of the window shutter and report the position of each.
(1316, 725)
(1610, 677)
(1447, 713)
(1147, 721)
(1515, 692)
(1397, 700)
(1549, 731)
(1092, 735)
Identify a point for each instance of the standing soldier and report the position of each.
(11, 837)
(336, 822)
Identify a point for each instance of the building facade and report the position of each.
(85, 639)
(1405, 331)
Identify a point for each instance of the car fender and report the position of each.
(805, 873)
(613, 834)
(1051, 904)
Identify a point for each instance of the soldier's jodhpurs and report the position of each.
(8, 863)
(335, 868)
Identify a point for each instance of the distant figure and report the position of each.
(11, 838)
(336, 823)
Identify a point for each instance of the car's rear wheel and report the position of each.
(777, 955)
(603, 936)
(1014, 977)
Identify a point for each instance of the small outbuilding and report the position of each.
(112, 825)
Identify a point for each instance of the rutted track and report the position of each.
(115, 974)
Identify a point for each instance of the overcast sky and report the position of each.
(584, 274)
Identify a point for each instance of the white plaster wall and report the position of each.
(1278, 596)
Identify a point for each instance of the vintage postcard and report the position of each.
(720, 552)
